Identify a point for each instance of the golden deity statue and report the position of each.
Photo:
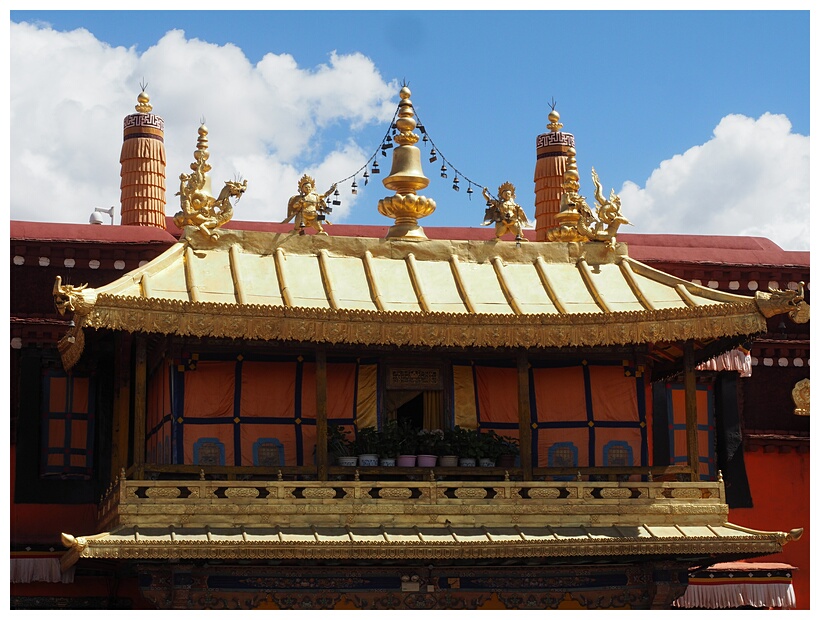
(308, 206)
(505, 213)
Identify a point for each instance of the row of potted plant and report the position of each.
(404, 445)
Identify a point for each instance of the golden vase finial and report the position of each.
(554, 126)
(405, 178)
(143, 104)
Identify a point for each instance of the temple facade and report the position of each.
(189, 397)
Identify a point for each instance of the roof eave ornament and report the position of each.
(791, 302)
(199, 208)
(78, 300)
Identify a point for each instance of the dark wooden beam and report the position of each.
(690, 395)
(321, 413)
(524, 421)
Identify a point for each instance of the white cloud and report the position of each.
(70, 93)
(751, 178)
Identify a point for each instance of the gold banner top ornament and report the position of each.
(406, 177)
(199, 207)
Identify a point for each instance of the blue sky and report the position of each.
(699, 119)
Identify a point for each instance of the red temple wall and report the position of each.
(43, 523)
(779, 484)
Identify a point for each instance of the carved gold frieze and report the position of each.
(545, 493)
(474, 493)
(395, 493)
(162, 492)
(431, 329)
(319, 493)
(241, 492)
(615, 493)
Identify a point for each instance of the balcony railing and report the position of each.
(415, 496)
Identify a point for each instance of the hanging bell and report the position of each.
(366, 177)
(433, 155)
(455, 183)
(470, 192)
(354, 189)
(424, 138)
(336, 201)
(443, 171)
(375, 168)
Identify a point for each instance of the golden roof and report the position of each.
(318, 288)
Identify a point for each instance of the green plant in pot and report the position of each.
(409, 438)
(390, 440)
(469, 445)
(367, 446)
(488, 448)
(508, 450)
(448, 451)
(429, 441)
(339, 444)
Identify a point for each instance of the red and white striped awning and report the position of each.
(737, 360)
(731, 585)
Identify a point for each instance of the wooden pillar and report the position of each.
(140, 405)
(321, 413)
(524, 421)
(122, 405)
(690, 394)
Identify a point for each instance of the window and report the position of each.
(68, 426)
(268, 453)
(209, 451)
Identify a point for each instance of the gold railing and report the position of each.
(414, 500)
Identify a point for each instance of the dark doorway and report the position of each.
(412, 411)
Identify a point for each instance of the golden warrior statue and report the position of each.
(505, 213)
(307, 205)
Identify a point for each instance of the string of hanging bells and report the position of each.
(371, 166)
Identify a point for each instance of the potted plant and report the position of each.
(488, 448)
(407, 448)
(508, 450)
(448, 452)
(390, 443)
(468, 444)
(340, 446)
(428, 446)
(366, 445)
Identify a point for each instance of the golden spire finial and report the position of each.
(572, 179)
(202, 140)
(406, 177)
(143, 104)
(554, 126)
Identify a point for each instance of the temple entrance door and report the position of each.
(420, 408)
(412, 412)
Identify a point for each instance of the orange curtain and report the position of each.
(209, 390)
(497, 394)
